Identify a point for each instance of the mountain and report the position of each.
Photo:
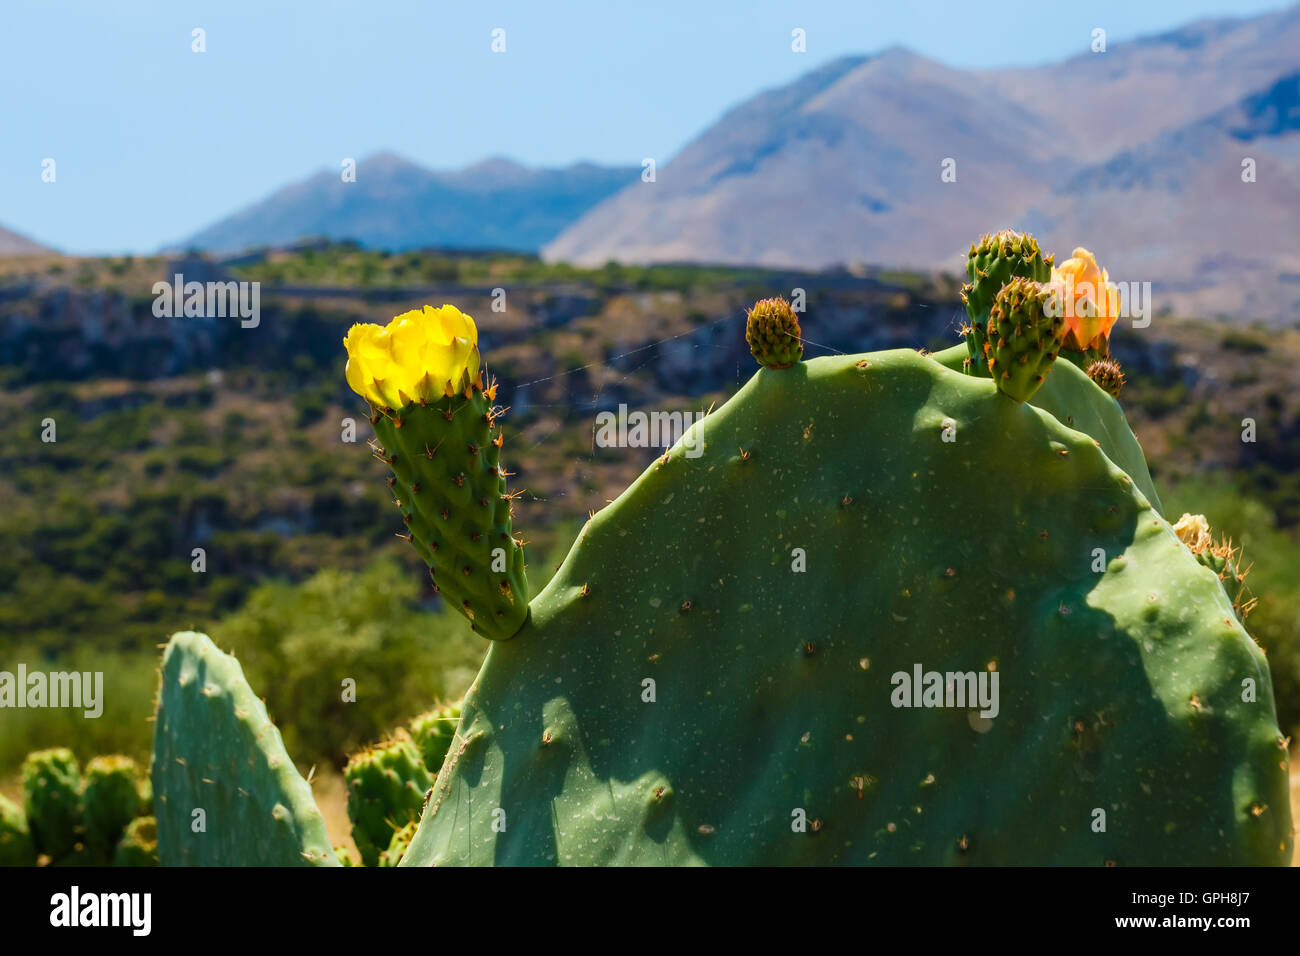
(395, 204)
(1135, 152)
(12, 244)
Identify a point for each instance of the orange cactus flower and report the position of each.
(1091, 300)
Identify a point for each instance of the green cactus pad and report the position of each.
(110, 801)
(139, 844)
(346, 856)
(1074, 401)
(433, 732)
(216, 750)
(710, 675)
(1025, 330)
(451, 489)
(398, 845)
(52, 799)
(773, 334)
(16, 846)
(386, 787)
(992, 262)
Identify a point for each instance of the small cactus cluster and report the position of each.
(386, 786)
(388, 782)
(73, 818)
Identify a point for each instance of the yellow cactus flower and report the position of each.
(1091, 300)
(419, 356)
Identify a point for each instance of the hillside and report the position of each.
(1135, 153)
(395, 204)
(12, 244)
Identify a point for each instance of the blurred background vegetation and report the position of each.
(174, 434)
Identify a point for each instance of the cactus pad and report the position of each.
(111, 800)
(386, 787)
(450, 486)
(139, 844)
(16, 846)
(721, 687)
(433, 732)
(216, 751)
(52, 800)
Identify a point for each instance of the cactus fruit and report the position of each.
(773, 333)
(737, 703)
(16, 846)
(438, 432)
(386, 787)
(52, 799)
(138, 845)
(226, 792)
(1024, 330)
(397, 845)
(110, 801)
(433, 732)
(992, 262)
(1108, 375)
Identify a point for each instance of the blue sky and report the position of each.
(152, 141)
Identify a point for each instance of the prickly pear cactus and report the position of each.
(111, 800)
(721, 671)
(52, 799)
(386, 786)
(433, 732)
(138, 845)
(226, 792)
(16, 846)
